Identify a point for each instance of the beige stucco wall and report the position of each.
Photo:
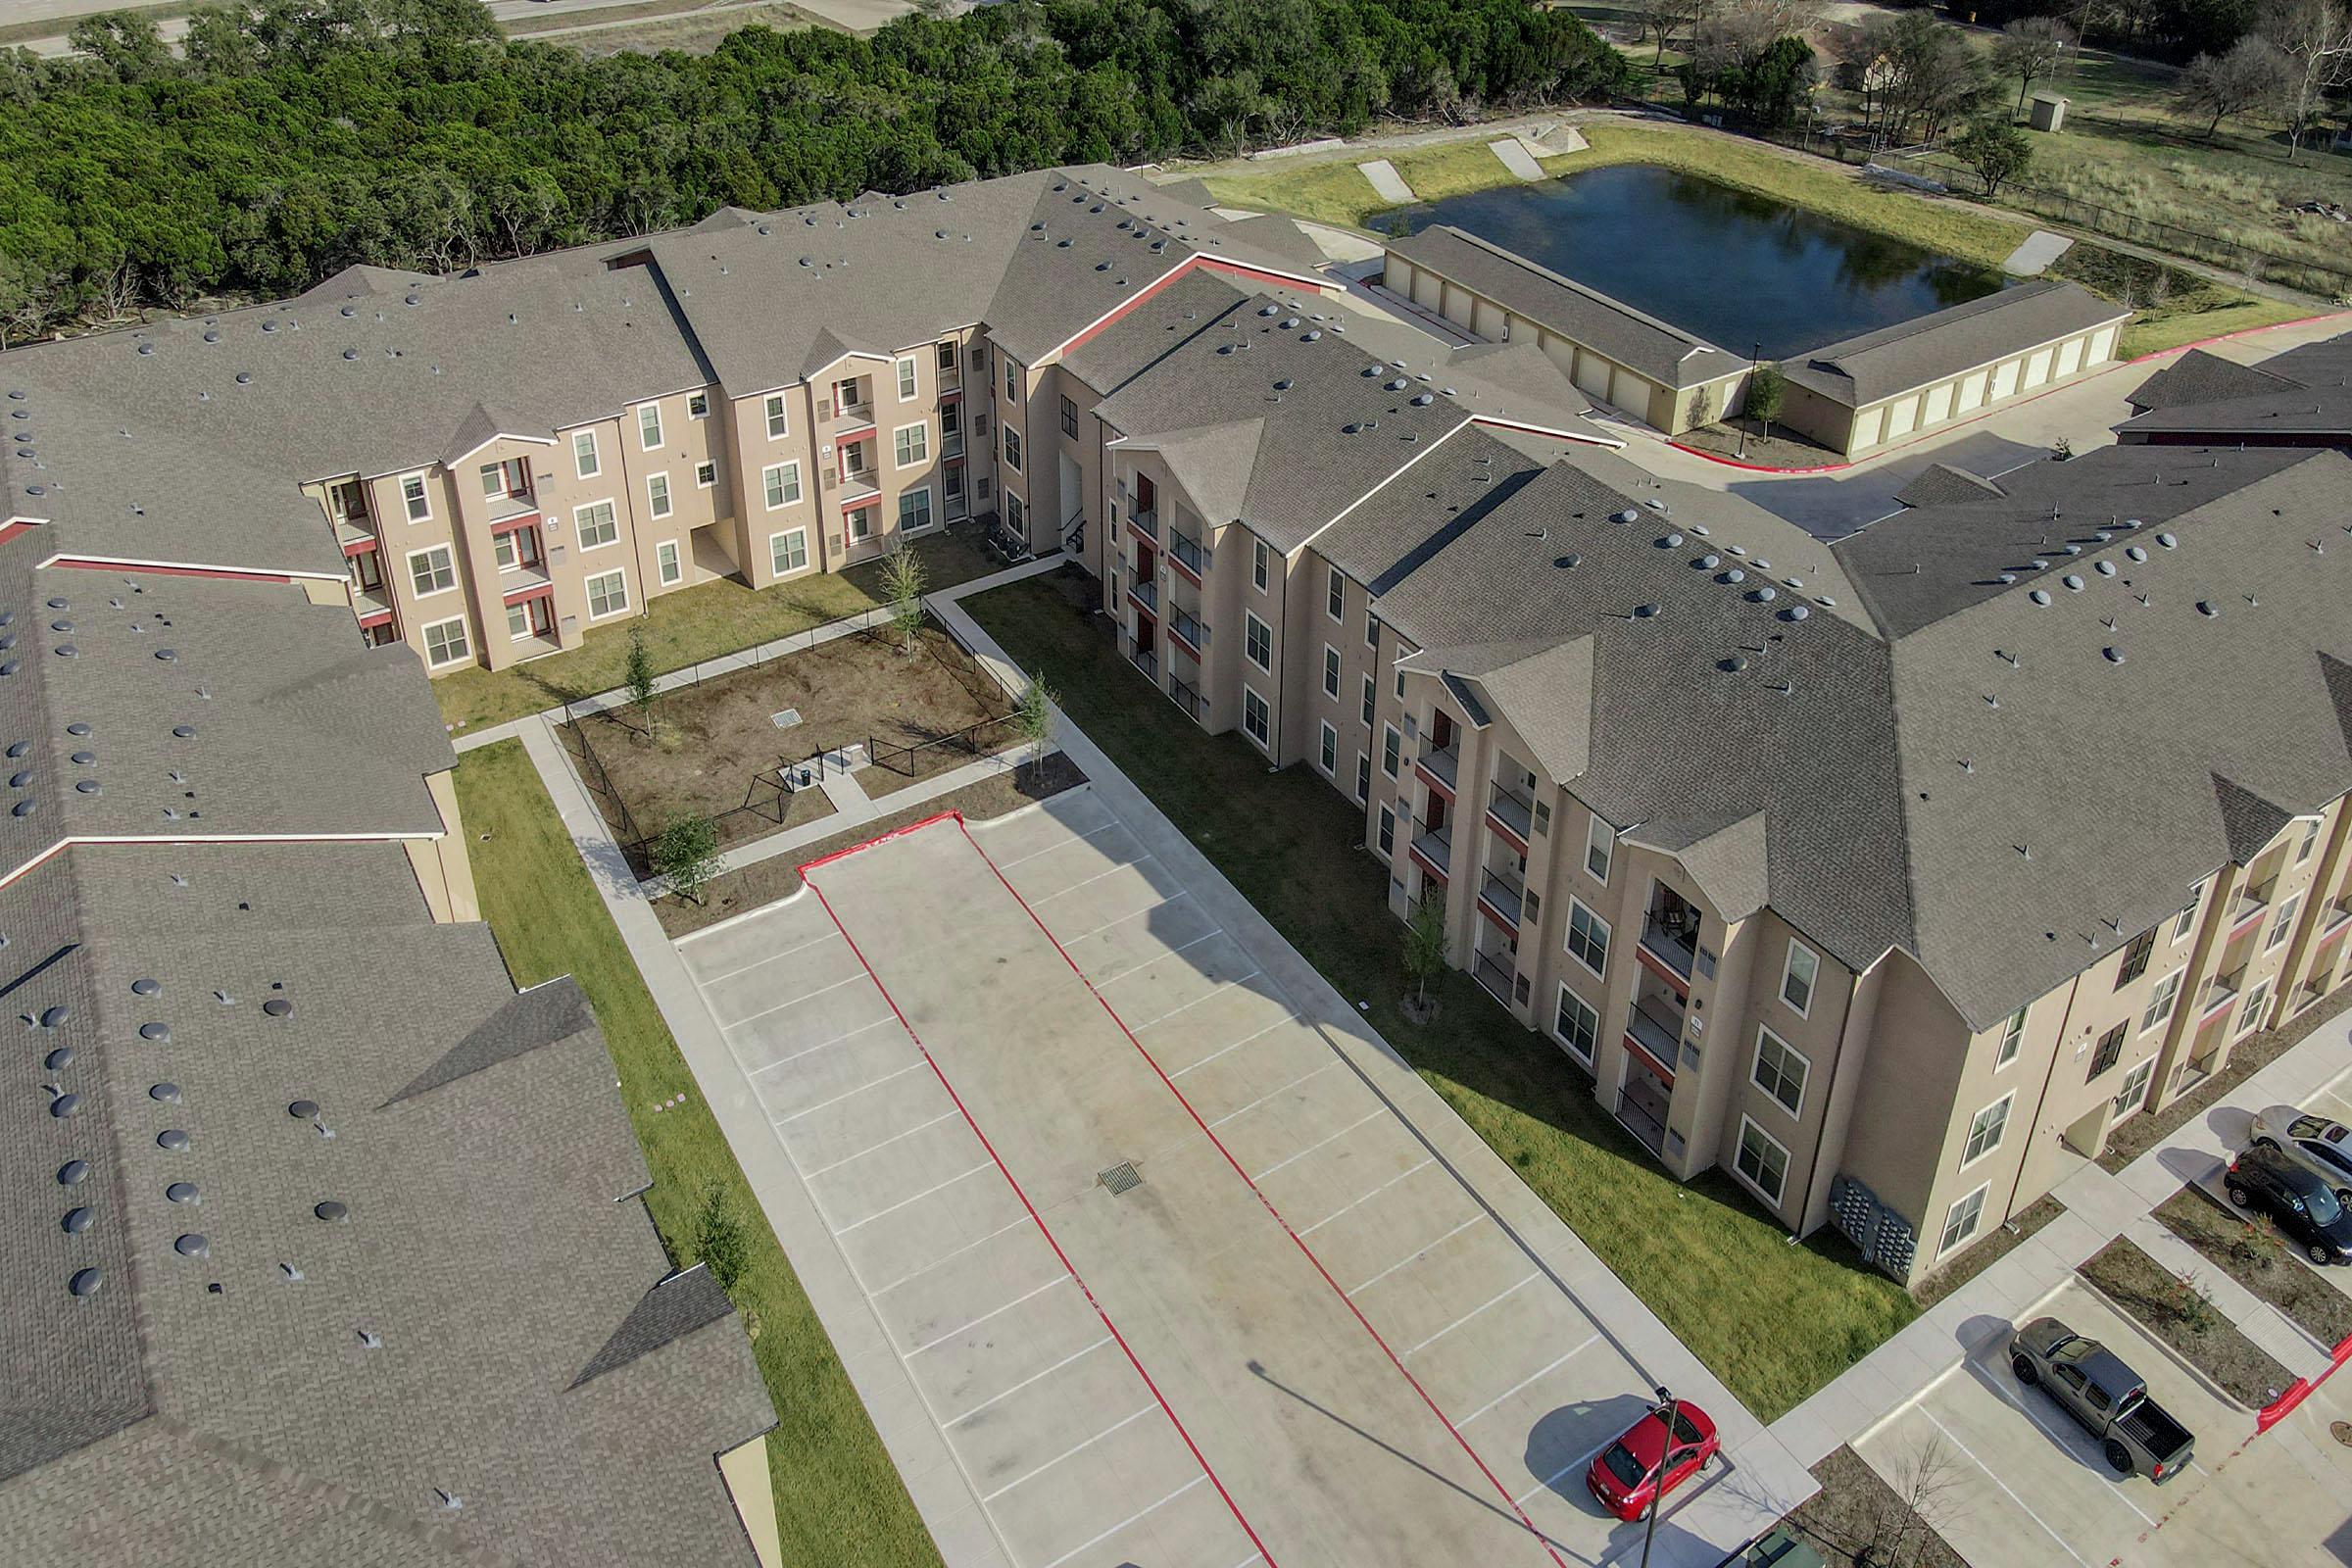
(745, 1473)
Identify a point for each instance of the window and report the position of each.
(861, 522)
(585, 462)
(783, 482)
(1012, 449)
(1012, 382)
(914, 509)
(906, 378)
(788, 551)
(1334, 594)
(698, 405)
(1258, 554)
(2136, 1088)
(1960, 1221)
(1331, 671)
(910, 444)
(1014, 513)
(1587, 937)
(2013, 1035)
(1371, 691)
(1388, 833)
(1327, 756)
(2187, 921)
(649, 425)
(501, 551)
(496, 483)
(2108, 1051)
(706, 476)
(1258, 642)
(1363, 777)
(946, 355)
(778, 426)
(2258, 1002)
(657, 494)
(431, 571)
(2136, 958)
(1577, 1025)
(2311, 840)
(445, 643)
(607, 594)
(518, 622)
(415, 499)
(1255, 719)
(2284, 925)
(2162, 1000)
(1761, 1161)
(1371, 629)
(1984, 1130)
(1392, 750)
(595, 525)
(1797, 977)
(665, 562)
(1069, 418)
(1780, 1070)
(1600, 846)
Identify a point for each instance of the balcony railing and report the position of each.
(1433, 848)
(1510, 813)
(846, 413)
(1502, 893)
(1190, 629)
(1494, 975)
(1189, 553)
(1653, 1034)
(2224, 991)
(1145, 593)
(1440, 767)
(1669, 946)
(1146, 661)
(1146, 520)
(2248, 906)
(512, 503)
(950, 445)
(1640, 1120)
(1184, 695)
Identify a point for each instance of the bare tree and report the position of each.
(2245, 78)
(2030, 49)
(1661, 18)
(2315, 37)
(1924, 1494)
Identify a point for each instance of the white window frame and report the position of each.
(581, 533)
(1332, 668)
(449, 564)
(2282, 925)
(1251, 625)
(2158, 994)
(1260, 561)
(1600, 838)
(1371, 629)
(1265, 742)
(520, 610)
(2249, 1017)
(1335, 595)
(1804, 1073)
(775, 552)
(778, 414)
(2187, 920)
(919, 448)
(1363, 777)
(588, 593)
(1371, 701)
(930, 516)
(698, 405)
(1592, 917)
(705, 474)
(858, 523)
(587, 455)
(1812, 981)
(1560, 1006)
(659, 503)
(2012, 1038)
(501, 551)
(464, 643)
(2144, 1070)
(1327, 751)
(1388, 826)
(910, 374)
(1747, 1124)
(423, 497)
(1392, 744)
(781, 479)
(2311, 841)
(2005, 1104)
(667, 565)
(648, 426)
(1946, 1241)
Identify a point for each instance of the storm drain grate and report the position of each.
(786, 720)
(1120, 1178)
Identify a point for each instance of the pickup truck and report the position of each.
(2105, 1396)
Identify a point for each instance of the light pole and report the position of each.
(1756, 353)
(1670, 1408)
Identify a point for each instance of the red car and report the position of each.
(1626, 1475)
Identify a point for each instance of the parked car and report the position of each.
(2105, 1395)
(1628, 1472)
(2303, 1203)
(2317, 1145)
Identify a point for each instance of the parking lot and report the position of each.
(2235, 1130)
(2017, 1484)
(1176, 1283)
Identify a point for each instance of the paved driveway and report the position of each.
(1176, 1283)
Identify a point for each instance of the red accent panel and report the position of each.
(1505, 828)
(10, 530)
(524, 595)
(520, 519)
(361, 547)
(1641, 1051)
(80, 563)
(380, 617)
(1662, 970)
(1256, 274)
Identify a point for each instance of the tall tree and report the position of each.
(2030, 49)
(2245, 78)
(2315, 39)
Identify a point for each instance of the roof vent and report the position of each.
(334, 1213)
(1628, 516)
(193, 1245)
(2105, 568)
(303, 1110)
(2115, 655)
(53, 1017)
(1708, 562)
(64, 1105)
(278, 1007)
(2207, 609)
(144, 988)
(1735, 575)
(163, 1094)
(1647, 611)
(86, 1282)
(1732, 666)
(171, 1138)
(1422, 399)
(183, 1193)
(72, 1173)
(2134, 553)
(2073, 583)
(1569, 563)
(1796, 613)
(2168, 541)
(1763, 595)
(2039, 596)
(1673, 541)
(60, 1060)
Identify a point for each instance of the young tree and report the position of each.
(718, 1238)
(1426, 947)
(1033, 721)
(2315, 39)
(1765, 389)
(902, 583)
(1995, 150)
(2029, 49)
(2223, 88)
(686, 855)
(1662, 17)
(638, 676)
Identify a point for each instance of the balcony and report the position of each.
(1641, 1107)
(1184, 695)
(2248, 907)
(2224, 991)
(1510, 813)
(1650, 1029)
(847, 413)
(858, 489)
(1491, 972)
(355, 536)
(1188, 631)
(1146, 594)
(1145, 522)
(521, 579)
(2339, 915)
(1440, 769)
(371, 605)
(1146, 661)
(1669, 945)
(511, 505)
(950, 445)
(1432, 847)
(1502, 897)
(1188, 554)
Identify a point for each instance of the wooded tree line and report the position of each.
(294, 137)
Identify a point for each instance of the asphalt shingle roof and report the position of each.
(1861, 370)
(2305, 392)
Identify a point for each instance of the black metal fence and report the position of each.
(983, 739)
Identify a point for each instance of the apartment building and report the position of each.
(2295, 399)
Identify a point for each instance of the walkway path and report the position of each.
(1518, 157)
(1384, 179)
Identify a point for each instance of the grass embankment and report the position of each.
(838, 1498)
(1774, 1320)
(697, 624)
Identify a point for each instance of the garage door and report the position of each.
(1866, 431)
(2070, 356)
(2004, 381)
(1489, 322)
(2102, 346)
(1901, 415)
(1972, 393)
(1939, 404)
(1561, 353)
(2038, 368)
(1593, 376)
(1429, 290)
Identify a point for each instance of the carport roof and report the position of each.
(2304, 392)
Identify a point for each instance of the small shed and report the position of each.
(2048, 111)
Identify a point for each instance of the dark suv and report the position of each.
(2304, 1206)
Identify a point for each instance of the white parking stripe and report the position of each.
(1370, 1115)
(967, 1328)
(1587, 1341)
(1237, 1044)
(844, 1230)
(1416, 1253)
(1263, 1099)
(1090, 881)
(1148, 963)
(851, 1094)
(804, 996)
(950, 1257)
(1067, 1452)
(2004, 1486)
(1368, 1197)
(709, 980)
(1062, 845)
(1130, 1519)
(1473, 1313)
(1577, 1463)
(2067, 1439)
(1026, 1382)
(1158, 904)
(888, 1017)
(1197, 1000)
(944, 1115)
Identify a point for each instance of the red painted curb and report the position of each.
(807, 866)
(2279, 1409)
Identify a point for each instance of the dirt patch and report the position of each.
(1783, 448)
(715, 747)
(1856, 1520)
(1988, 1252)
(2248, 1056)
(2178, 1313)
(769, 880)
(2251, 1251)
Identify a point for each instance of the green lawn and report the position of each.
(696, 624)
(1774, 1320)
(838, 1498)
